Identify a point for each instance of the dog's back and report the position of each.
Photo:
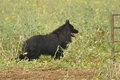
(40, 44)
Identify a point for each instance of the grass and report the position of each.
(91, 49)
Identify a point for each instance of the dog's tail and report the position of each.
(21, 56)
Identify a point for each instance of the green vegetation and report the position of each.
(90, 50)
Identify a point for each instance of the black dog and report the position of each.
(50, 44)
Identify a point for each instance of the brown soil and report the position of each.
(75, 74)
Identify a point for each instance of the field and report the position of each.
(88, 57)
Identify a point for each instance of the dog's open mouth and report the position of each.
(72, 34)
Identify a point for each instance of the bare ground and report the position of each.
(75, 74)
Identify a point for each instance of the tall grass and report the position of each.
(90, 50)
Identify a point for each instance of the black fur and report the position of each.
(50, 44)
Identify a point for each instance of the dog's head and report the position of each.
(72, 29)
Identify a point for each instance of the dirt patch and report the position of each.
(76, 74)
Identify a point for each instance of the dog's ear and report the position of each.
(67, 22)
